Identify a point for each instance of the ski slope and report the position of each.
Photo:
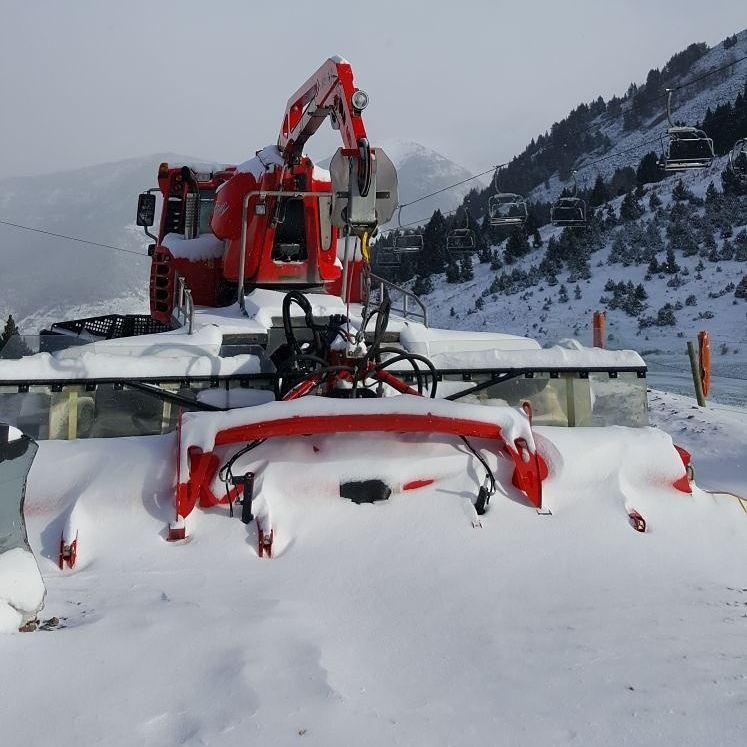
(393, 623)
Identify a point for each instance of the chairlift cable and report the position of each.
(71, 238)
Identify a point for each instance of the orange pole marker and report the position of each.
(598, 329)
(704, 350)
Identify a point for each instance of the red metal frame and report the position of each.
(683, 483)
(529, 469)
(327, 93)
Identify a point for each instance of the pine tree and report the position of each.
(467, 271)
(577, 292)
(630, 209)
(452, 272)
(680, 191)
(671, 266)
(422, 285)
(517, 246)
(648, 169)
(654, 202)
(599, 193)
(563, 294)
(9, 331)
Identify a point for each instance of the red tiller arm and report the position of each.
(328, 92)
(529, 469)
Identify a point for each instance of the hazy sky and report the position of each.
(83, 82)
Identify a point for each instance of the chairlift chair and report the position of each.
(461, 240)
(386, 256)
(738, 160)
(685, 148)
(569, 211)
(506, 208)
(406, 242)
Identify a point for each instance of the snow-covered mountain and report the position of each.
(45, 278)
(421, 171)
(551, 291)
(708, 82)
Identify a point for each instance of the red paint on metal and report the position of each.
(415, 484)
(683, 483)
(529, 469)
(704, 349)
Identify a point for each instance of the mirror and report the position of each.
(146, 210)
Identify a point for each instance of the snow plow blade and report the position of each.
(21, 586)
(508, 428)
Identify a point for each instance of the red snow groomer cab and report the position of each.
(275, 220)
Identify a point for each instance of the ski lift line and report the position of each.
(575, 132)
(72, 238)
(452, 186)
(619, 153)
(656, 140)
(710, 72)
(654, 99)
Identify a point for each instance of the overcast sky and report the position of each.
(83, 82)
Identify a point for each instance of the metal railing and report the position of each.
(411, 306)
(184, 307)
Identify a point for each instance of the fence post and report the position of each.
(598, 329)
(695, 367)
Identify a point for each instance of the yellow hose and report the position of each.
(364, 246)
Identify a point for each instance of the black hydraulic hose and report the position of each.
(401, 355)
(380, 366)
(300, 300)
(225, 473)
(488, 472)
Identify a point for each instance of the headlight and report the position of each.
(359, 100)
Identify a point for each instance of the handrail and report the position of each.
(404, 309)
(184, 306)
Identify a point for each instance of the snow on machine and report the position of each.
(21, 586)
(267, 343)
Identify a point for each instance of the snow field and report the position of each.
(395, 622)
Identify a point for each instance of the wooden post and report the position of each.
(598, 329)
(695, 366)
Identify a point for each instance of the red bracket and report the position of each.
(68, 553)
(264, 542)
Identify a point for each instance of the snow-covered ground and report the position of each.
(393, 623)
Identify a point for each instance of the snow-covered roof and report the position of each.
(430, 341)
(165, 355)
(540, 359)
